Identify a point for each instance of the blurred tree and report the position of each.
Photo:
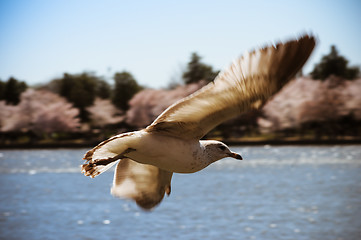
(41, 112)
(103, 89)
(104, 113)
(326, 108)
(146, 105)
(11, 90)
(124, 89)
(80, 90)
(334, 64)
(196, 71)
(2, 90)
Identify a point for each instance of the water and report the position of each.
(307, 192)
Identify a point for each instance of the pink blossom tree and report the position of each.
(40, 111)
(103, 113)
(6, 113)
(146, 105)
(304, 101)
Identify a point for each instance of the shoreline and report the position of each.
(294, 142)
(228, 142)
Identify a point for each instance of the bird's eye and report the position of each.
(222, 147)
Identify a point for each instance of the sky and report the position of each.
(40, 39)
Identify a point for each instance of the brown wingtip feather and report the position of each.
(88, 155)
(149, 202)
(297, 52)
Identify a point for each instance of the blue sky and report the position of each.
(40, 40)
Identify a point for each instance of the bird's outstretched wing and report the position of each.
(246, 84)
(145, 184)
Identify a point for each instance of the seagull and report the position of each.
(146, 159)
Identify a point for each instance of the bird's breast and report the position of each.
(169, 153)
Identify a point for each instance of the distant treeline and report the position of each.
(88, 104)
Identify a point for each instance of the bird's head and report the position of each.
(217, 150)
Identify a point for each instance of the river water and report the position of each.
(290, 192)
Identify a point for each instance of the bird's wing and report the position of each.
(145, 184)
(105, 155)
(246, 84)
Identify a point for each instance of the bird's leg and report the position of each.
(106, 161)
(112, 159)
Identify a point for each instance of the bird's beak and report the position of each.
(235, 155)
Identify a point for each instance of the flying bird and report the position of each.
(146, 159)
